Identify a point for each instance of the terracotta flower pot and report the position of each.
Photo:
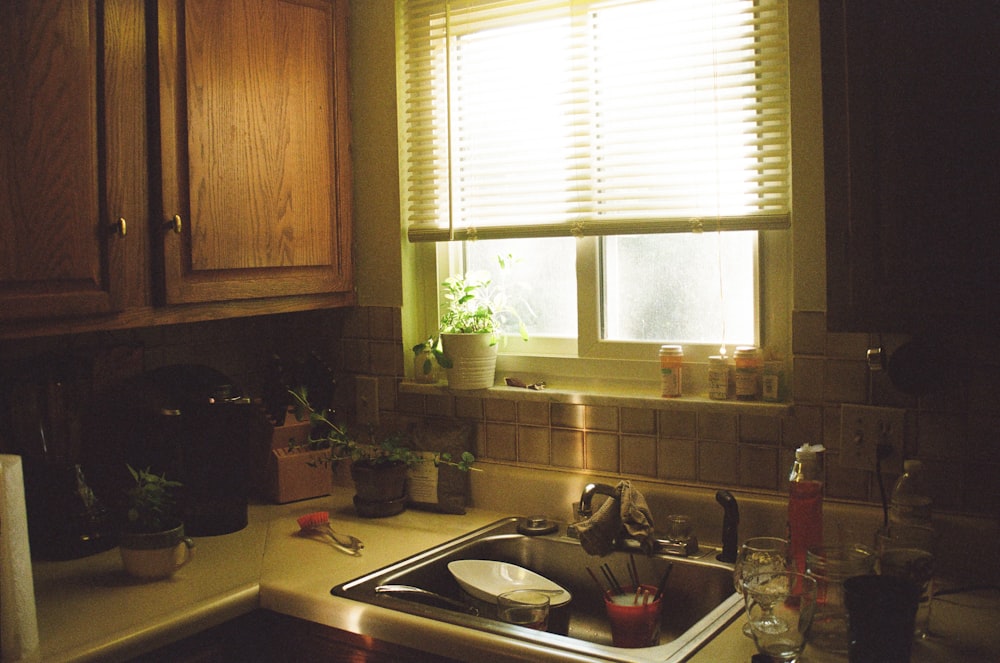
(380, 489)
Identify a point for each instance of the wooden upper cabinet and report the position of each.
(911, 122)
(72, 157)
(254, 147)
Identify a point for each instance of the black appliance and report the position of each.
(189, 422)
(40, 404)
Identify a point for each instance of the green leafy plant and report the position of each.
(433, 343)
(473, 304)
(150, 501)
(328, 434)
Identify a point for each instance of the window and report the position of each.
(634, 154)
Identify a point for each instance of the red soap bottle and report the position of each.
(805, 504)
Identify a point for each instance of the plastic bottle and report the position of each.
(671, 357)
(805, 504)
(910, 503)
(748, 371)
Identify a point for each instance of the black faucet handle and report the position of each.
(730, 525)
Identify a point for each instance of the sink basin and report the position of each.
(699, 599)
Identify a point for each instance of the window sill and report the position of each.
(607, 393)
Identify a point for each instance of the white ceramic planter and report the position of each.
(474, 360)
(156, 555)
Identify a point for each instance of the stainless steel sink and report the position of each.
(699, 599)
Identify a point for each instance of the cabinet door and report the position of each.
(911, 92)
(254, 148)
(71, 156)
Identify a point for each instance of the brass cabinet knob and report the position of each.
(119, 227)
(174, 224)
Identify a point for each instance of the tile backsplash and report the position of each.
(955, 432)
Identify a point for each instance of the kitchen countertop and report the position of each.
(89, 609)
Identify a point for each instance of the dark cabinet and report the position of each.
(254, 148)
(72, 144)
(911, 120)
(171, 161)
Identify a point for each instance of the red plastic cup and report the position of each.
(634, 616)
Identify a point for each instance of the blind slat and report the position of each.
(538, 118)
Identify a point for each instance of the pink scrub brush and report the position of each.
(317, 525)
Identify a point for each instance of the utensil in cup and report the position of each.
(634, 615)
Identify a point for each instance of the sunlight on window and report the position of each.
(662, 120)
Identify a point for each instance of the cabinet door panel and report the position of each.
(255, 154)
(912, 137)
(54, 244)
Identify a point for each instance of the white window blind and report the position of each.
(540, 118)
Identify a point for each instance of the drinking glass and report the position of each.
(759, 554)
(524, 607)
(907, 551)
(780, 607)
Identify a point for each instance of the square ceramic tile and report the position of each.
(356, 323)
(807, 380)
(469, 407)
(535, 413)
(717, 462)
(804, 426)
(497, 409)
(760, 429)
(677, 424)
(386, 358)
(638, 420)
(602, 417)
(381, 323)
(846, 482)
(677, 459)
(758, 466)
(533, 445)
(501, 441)
(567, 415)
(567, 448)
(848, 346)
(601, 451)
(638, 455)
(357, 356)
(845, 381)
(440, 405)
(410, 403)
(809, 332)
(718, 426)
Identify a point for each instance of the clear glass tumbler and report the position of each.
(830, 566)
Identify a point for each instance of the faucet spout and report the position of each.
(730, 525)
(585, 510)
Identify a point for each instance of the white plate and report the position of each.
(485, 580)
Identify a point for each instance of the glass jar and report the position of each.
(831, 566)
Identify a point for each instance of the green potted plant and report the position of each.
(378, 468)
(152, 541)
(426, 354)
(472, 321)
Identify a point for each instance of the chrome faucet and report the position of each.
(585, 510)
(678, 540)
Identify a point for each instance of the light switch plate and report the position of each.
(366, 400)
(862, 428)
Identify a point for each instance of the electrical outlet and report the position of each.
(862, 428)
(366, 400)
